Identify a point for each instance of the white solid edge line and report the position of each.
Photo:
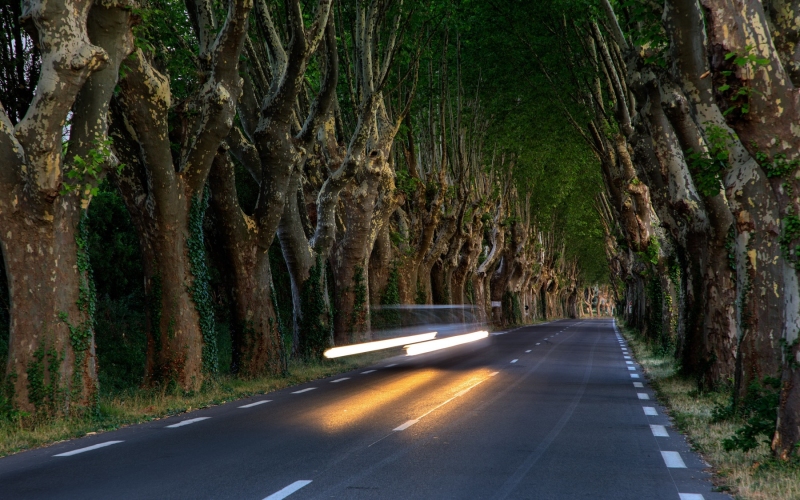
(650, 411)
(514, 360)
(642, 395)
(405, 425)
(634, 375)
(339, 380)
(366, 372)
(280, 495)
(637, 384)
(256, 403)
(659, 430)
(187, 422)
(304, 390)
(691, 496)
(673, 459)
(88, 448)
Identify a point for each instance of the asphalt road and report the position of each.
(545, 412)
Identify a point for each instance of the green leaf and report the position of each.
(723, 88)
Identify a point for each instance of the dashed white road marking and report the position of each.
(528, 350)
(659, 430)
(626, 357)
(673, 459)
(637, 384)
(393, 364)
(256, 403)
(650, 411)
(285, 492)
(493, 374)
(339, 380)
(301, 391)
(514, 360)
(642, 395)
(538, 343)
(405, 425)
(88, 448)
(366, 372)
(691, 496)
(187, 422)
(632, 368)
(629, 362)
(634, 375)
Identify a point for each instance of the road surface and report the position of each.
(554, 411)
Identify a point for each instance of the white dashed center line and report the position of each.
(304, 390)
(637, 384)
(528, 350)
(366, 372)
(256, 403)
(629, 362)
(538, 343)
(642, 395)
(673, 459)
(493, 374)
(88, 448)
(632, 368)
(691, 496)
(280, 495)
(659, 430)
(393, 364)
(650, 411)
(514, 360)
(626, 357)
(339, 380)
(405, 425)
(634, 375)
(187, 422)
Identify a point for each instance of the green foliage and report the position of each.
(44, 380)
(789, 235)
(651, 253)
(405, 183)
(760, 411)
(200, 290)
(707, 167)
(646, 30)
(778, 165)
(512, 312)
(83, 173)
(315, 327)
(740, 93)
(358, 315)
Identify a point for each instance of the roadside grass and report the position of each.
(752, 475)
(143, 405)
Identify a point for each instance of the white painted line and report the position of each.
(637, 384)
(538, 343)
(187, 422)
(673, 459)
(629, 362)
(256, 403)
(366, 372)
(304, 390)
(634, 375)
(626, 357)
(642, 395)
(659, 431)
(528, 350)
(405, 425)
(280, 495)
(88, 448)
(691, 496)
(339, 380)
(514, 360)
(493, 374)
(650, 411)
(632, 368)
(393, 364)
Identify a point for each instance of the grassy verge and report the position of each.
(143, 405)
(746, 475)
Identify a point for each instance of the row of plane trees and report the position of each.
(367, 180)
(691, 110)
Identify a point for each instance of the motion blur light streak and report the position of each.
(435, 345)
(347, 350)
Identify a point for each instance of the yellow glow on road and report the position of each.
(348, 350)
(435, 345)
